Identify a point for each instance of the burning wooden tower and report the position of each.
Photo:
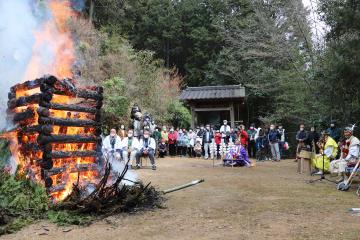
(57, 132)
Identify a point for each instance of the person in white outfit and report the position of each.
(130, 146)
(350, 152)
(112, 146)
(225, 131)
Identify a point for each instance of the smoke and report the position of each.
(78, 5)
(17, 24)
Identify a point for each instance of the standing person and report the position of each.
(313, 138)
(179, 142)
(147, 148)
(274, 137)
(282, 140)
(225, 131)
(301, 138)
(157, 135)
(251, 143)
(172, 137)
(122, 132)
(334, 131)
(233, 135)
(186, 143)
(218, 139)
(164, 134)
(129, 147)
(243, 136)
(207, 139)
(192, 139)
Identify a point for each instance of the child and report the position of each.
(218, 143)
(198, 148)
(162, 148)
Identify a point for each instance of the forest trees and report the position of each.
(264, 45)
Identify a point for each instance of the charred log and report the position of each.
(27, 114)
(63, 154)
(81, 94)
(70, 107)
(42, 139)
(24, 101)
(68, 122)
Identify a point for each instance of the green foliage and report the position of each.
(64, 218)
(115, 103)
(4, 153)
(179, 115)
(25, 201)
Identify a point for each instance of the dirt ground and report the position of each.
(269, 201)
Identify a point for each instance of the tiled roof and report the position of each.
(213, 92)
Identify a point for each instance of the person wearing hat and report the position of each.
(328, 151)
(349, 152)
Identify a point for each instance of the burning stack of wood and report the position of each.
(58, 132)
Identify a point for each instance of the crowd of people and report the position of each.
(332, 151)
(203, 141)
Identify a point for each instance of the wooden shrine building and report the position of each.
(213, 104)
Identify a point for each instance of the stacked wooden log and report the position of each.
(57, 125)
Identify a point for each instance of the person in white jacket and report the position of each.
(112, 146)
(130, 147)
(147, 148)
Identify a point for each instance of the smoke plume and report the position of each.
(17, 23)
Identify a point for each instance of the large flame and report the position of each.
(53, 53)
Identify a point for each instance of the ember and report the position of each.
(57, 136)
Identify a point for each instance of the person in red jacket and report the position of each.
(218, 138)
(243, 136)
(172, 136)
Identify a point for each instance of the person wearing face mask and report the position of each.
(172, 136)
(147, 147)
(129, 147)
(335, 132)
(157, 135)
(192, 139)
(274, 137)
(301, 138)
(112, 146)
(225, 131)
(207, 139)
(179, 142)
(313, 138)
(251, 141)
(349, 153)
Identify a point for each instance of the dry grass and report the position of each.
(270, 201)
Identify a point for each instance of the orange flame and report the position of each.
(53, 51)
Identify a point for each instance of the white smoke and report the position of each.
(17, 24)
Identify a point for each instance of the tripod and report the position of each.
(322, 176)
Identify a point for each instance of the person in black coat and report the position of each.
(313, 138)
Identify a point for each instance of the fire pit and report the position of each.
(57, 132)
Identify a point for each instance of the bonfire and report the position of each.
(55, 131)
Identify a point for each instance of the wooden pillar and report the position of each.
(193, 117)
(232, 114)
